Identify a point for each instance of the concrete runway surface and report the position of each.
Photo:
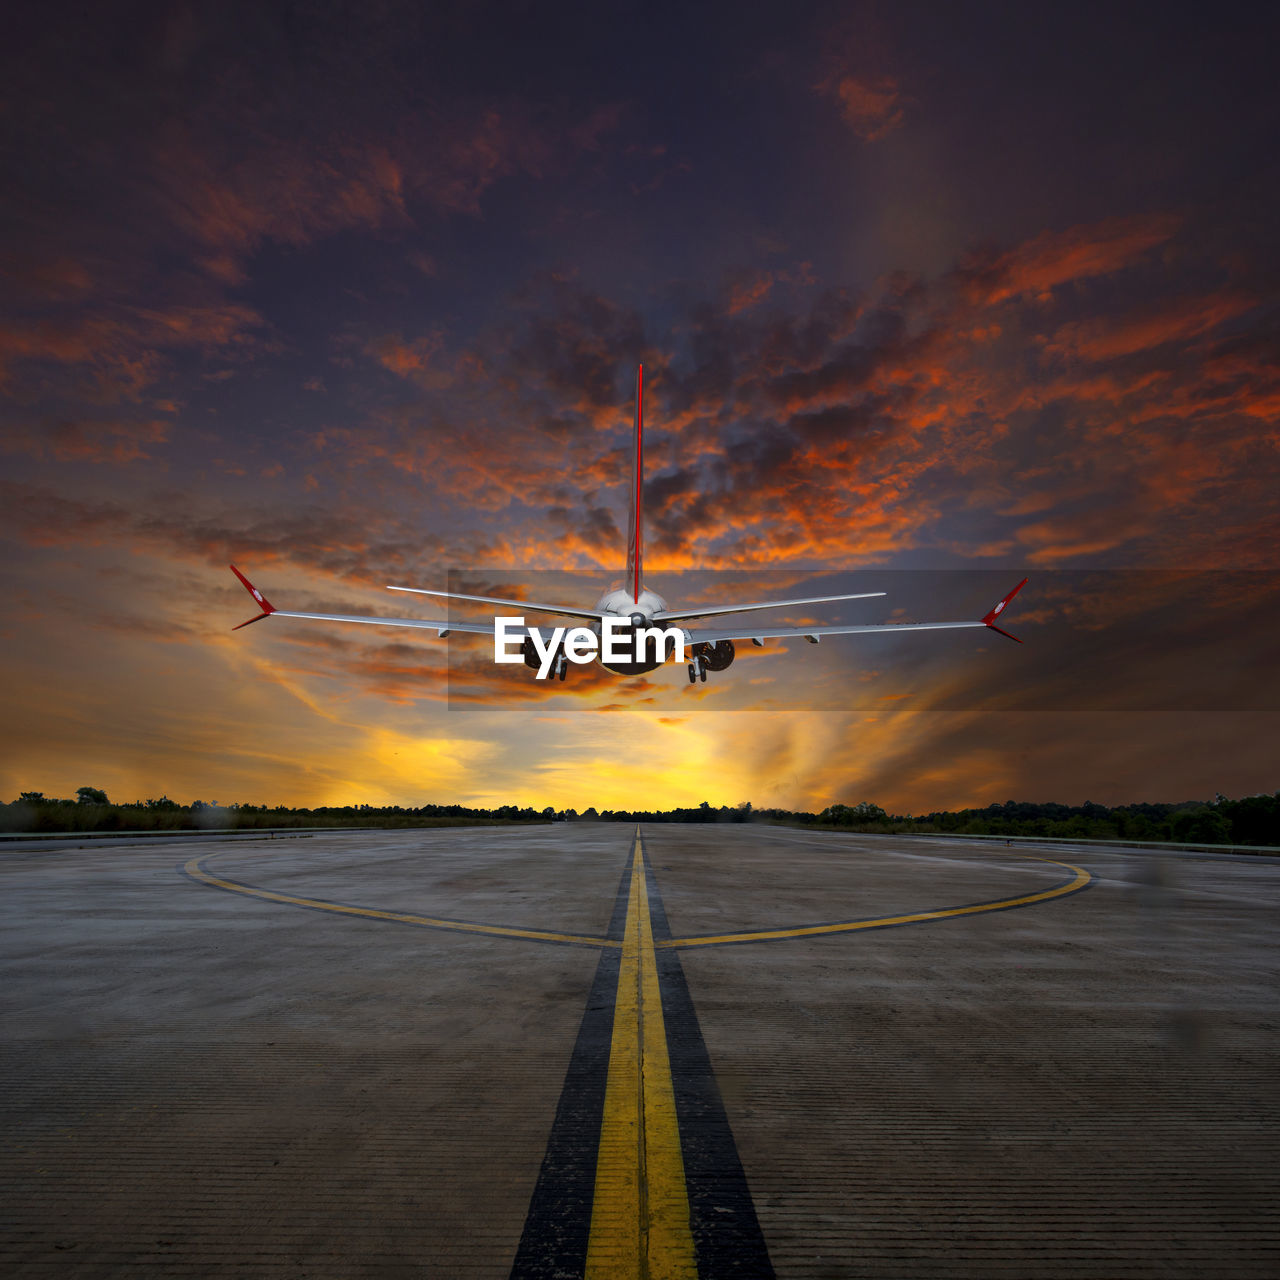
(720, 1050)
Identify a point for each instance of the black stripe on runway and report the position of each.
(553, 1245)
(726, 1232)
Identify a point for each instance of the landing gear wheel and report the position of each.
(703, 674)
(693, 675)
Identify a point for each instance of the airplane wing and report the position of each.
(440, 626)
(814, 634)
(564, 610)
(745, 632)
(669, 615)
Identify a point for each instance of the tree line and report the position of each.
(1252, 820)
(91, 810)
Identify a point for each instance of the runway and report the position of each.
(714, 1050)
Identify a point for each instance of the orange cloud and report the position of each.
(873, 107)
(89, 440)
(123, 348)
(58, 277)
(407, 359)
(748, 290)
(1107, 338)
(1057, 258)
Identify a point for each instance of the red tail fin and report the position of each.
(635, 524)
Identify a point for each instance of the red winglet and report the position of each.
(267, 607)
(990, 619)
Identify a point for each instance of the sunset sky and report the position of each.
(930, 297)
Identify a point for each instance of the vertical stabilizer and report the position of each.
(635, 522)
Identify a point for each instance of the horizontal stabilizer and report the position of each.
(670, 615)
(757, 635)
(749, 632)
(563, 610)
(441, 626)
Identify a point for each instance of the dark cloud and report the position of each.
(899, 301)
(118, 440)
(340, 544)
(588, 526)
(567, 360)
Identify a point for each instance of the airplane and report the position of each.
(631, 606)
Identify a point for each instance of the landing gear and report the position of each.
(709, 657)
(562, 667)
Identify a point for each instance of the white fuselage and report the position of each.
(619, 601)
(622, 604)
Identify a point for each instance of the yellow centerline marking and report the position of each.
(640, 1210)
(196, 872)
(1082, 878)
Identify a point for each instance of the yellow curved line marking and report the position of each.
(196, 872)
(1082, 878)
(640, 1206)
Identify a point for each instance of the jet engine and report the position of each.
(718, 656)
(559, 663)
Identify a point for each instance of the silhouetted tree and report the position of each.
(1200, 826)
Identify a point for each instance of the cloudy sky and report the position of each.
(930, 297)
